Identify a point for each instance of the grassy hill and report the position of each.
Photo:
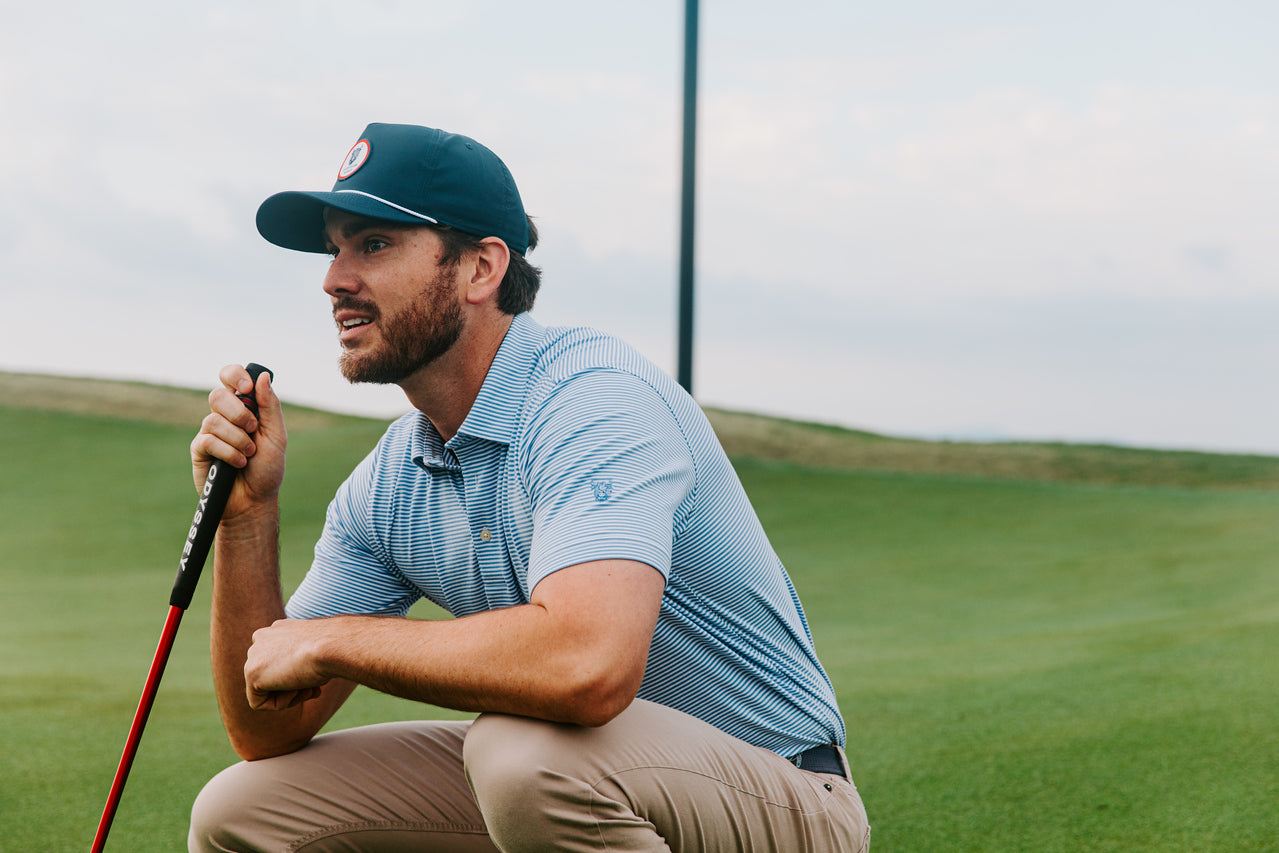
(1036, 647)
(832, 447)
(743, 435)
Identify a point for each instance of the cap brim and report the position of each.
(295, 219)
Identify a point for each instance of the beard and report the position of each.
(411, 339)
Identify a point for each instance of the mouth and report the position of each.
(350, 322)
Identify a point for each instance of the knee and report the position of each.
(220, 811)
(521, 772)
(504, 755)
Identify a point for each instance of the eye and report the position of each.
(374, 244)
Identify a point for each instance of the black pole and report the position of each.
(685, 374)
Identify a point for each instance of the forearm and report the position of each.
(576, 654)
(511, 661)
(247, 596)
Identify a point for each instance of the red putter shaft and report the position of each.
(139, 723)
(208, 512)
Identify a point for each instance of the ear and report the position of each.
(490, 261)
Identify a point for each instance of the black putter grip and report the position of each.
(208, 512)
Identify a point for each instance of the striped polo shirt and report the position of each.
(579, 449)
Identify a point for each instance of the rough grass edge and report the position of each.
(744, 435)
(831, 447)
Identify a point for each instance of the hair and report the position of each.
(519, 286)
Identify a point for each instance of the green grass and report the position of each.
(1024, 664)
(95, 512)
(1043, 666)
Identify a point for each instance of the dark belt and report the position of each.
(820, 759)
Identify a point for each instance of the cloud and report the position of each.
(1001, 192)
(1212, 258)
(910, 218)
(1128, 369)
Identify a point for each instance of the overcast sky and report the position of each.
(964, 219)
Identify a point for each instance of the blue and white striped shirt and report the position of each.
(578, 449)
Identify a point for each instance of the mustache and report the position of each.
(349, 303)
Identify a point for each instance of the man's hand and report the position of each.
(281, 670)
(231, 433)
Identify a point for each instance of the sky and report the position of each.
(967, 220)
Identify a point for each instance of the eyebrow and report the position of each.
(361, 224)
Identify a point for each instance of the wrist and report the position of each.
(251, 523)
(328, 644)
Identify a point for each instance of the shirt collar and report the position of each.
(426, 449)
(493, 414)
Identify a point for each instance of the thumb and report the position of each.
(270, 411)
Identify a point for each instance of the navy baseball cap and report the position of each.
(407, 174)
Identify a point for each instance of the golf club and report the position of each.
(208, 512)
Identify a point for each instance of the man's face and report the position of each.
(396, 307)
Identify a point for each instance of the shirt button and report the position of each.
(485, 535)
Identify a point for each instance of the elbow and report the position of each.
(595, 714)
(596, 701)
(256, 749)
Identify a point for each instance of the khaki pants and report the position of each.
(652, 779)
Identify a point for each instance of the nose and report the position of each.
(340, 279)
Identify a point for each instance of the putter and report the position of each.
(208, 512)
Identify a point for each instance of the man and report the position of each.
(640, 663)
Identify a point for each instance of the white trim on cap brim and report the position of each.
(392, 204)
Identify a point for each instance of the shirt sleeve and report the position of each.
(352, 573)
(608, 472)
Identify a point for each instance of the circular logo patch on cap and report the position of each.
(354, 159)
